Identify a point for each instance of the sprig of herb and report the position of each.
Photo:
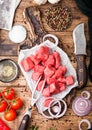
(34, 128)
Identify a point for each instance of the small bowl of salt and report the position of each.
(17, 34)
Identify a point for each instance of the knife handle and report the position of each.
(81, 70)
(24, 122)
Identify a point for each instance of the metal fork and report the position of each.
(34, 99)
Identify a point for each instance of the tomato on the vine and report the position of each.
(16, 103)
(10, 114)
(9, 103)
(9, 93)
(3, 105)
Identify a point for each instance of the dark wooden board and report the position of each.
(8, 49)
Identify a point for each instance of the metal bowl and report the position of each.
(8, 70)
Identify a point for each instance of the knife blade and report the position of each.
(80, 54)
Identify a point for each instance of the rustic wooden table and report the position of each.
(10, 50)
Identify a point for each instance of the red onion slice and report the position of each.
(87, 94)
(54, 108)
(51, 112)
(62, 113)
(81, 106)
(86, 121)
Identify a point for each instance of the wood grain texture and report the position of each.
(10, 50)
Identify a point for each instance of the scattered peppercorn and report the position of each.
(58, 18)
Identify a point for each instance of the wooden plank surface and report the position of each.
(10, 50)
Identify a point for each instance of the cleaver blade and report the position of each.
(79, 39)
(80, 53)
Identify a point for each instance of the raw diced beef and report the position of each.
(27, 64)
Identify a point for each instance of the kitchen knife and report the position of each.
(85, 7)
(80, 52)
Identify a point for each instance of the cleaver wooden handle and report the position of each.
(81, 70)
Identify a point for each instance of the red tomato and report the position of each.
(3, 105)
(16, 103)
(10, 114)
(9, 93)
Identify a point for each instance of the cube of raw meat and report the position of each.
(50, 80)
(59, 72)
(53, 87)
(49, 71)
(56, 91)
(42, 57)
(36, 75)
(42, 53)
(57, 59)
(43, 50)
(27, 64)
(47, 101)
(50, 60)
(61, 80)
(34, 59)
(61, 86)
(40, 85)
(46, 92)
(69, 80)
(63, 69)
(39, 68)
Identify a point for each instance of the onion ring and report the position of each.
(87, 93)
(59, 113)
(65, 109)
(52, 103)
(52, 36)
(81, 106)
(86, 121)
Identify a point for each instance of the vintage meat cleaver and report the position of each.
(80, 52)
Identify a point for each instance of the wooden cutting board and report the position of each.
(10, 50)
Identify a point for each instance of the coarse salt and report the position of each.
(18, 34)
